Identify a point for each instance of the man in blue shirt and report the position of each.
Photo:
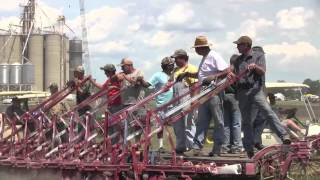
(157, 81)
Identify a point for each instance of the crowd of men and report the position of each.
(241, 107)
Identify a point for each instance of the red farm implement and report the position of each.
(119, 145)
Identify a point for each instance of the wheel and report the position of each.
(305, 169)
(269, 165)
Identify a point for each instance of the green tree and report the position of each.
(314, 86)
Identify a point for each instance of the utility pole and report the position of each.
(85, 48)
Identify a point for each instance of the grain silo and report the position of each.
(15, 73)
(35, 51)
(2, 46)
(4, 74)
(27, 73)
(65, 60)
(75, 53)
(12, 49)
(52, 60)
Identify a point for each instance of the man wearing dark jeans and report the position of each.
(250, 91)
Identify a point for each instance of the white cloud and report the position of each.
(134, 27)
(10, 5)
(252, 26)
(46, 16)
(101, 22)
(246, 1)
(177, 14)
(292, 52)
(159, 39)
(111, 47)
(294, 18)
(5, 23)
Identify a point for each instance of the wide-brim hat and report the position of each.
(201, 41)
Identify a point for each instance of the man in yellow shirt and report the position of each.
(184, 128)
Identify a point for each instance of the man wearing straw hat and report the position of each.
(212, 66)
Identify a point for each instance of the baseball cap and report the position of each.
(108, 67)
(178, 53)
(53, 85)
(243, 39)
(79, 69)
(125, 61)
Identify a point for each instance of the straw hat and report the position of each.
(201, 41)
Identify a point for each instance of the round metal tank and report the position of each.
(66, 59)
(4, 73)
(2, 41)
(27, 73)
(52, 62)
(35, 51)
(75, 55)
(15, 73)
(11, 52)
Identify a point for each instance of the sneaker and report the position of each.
(259, 146)
(161, 150)
(197, 152)
(237, 151)
(225, 150)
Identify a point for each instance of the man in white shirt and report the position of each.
(212, 66)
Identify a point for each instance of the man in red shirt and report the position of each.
(114, 86)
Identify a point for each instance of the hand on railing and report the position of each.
(71, 84)
(181, 76)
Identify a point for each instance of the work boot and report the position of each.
(259, 146)
(216, 151)
(286, 139)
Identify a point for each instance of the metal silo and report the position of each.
(66, 59)
(11, 52)
(4, 73)
(2, 50)
(27, 73)
(35, 51)
(75, 54)
(52, 62)
(15, 73)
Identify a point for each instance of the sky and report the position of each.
(148, 30)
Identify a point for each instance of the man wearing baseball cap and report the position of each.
(158, 81)
(82, 92)
(250, 92)
(114, 86)
(186, 123)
